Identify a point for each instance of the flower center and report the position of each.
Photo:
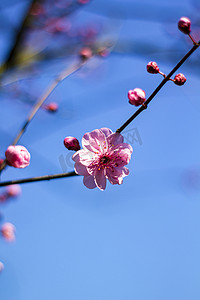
(104, 159)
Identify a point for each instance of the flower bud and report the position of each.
(17, 156)
(184, 25)
(52, 107)
(71, 143)
(179, 79)
(13, 190)
(152, 67)
(85, 53)
(1, 266)
(136, 97)
(8, 232)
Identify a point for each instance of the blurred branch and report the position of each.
(10, 61)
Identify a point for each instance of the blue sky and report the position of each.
(137, 241)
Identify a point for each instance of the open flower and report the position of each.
(104, 156)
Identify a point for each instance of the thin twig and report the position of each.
(66, 73)
(40, 178)
(158, 89)
(49, 177)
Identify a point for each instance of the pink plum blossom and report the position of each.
(8, 232)
(17, 156)
(104, 156)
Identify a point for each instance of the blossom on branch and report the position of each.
(17, 156)
(104, 156)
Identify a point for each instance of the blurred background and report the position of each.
(137, 241)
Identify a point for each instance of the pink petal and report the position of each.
(115, 139)
(115, 175)
(84, 157)
(80, 169)
(121, 155)
(106, 131)
(95, 141)
(89, 182)
(100, 179)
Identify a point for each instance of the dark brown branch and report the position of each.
(158, 88)
(40, 178)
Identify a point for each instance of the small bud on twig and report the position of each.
(71, 143)
(184, 25)
(152, 67)
(179, 79)
(136, 97)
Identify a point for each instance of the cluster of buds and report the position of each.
(153, 68)
(137, 96)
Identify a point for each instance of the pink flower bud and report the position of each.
(17, 156)
(71, 143)
(8, 232)
(85, 53)
(1, 266)
(179, 79)
(184, 25)
(136, 97)
(13, 190)
(152, 67)
(52, 107)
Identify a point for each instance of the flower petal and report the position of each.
(84, 157)
(95, 141)
(115, 139)
(100, 179)
(121, 154)
(89, 182)
(116, 175)
(80, 169)
(106, 131)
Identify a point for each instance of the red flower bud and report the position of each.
(52, 107)
(85, 53)
(71, 143)
(136, 97)
(179, 79)
(152, 67)
(184, 25)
